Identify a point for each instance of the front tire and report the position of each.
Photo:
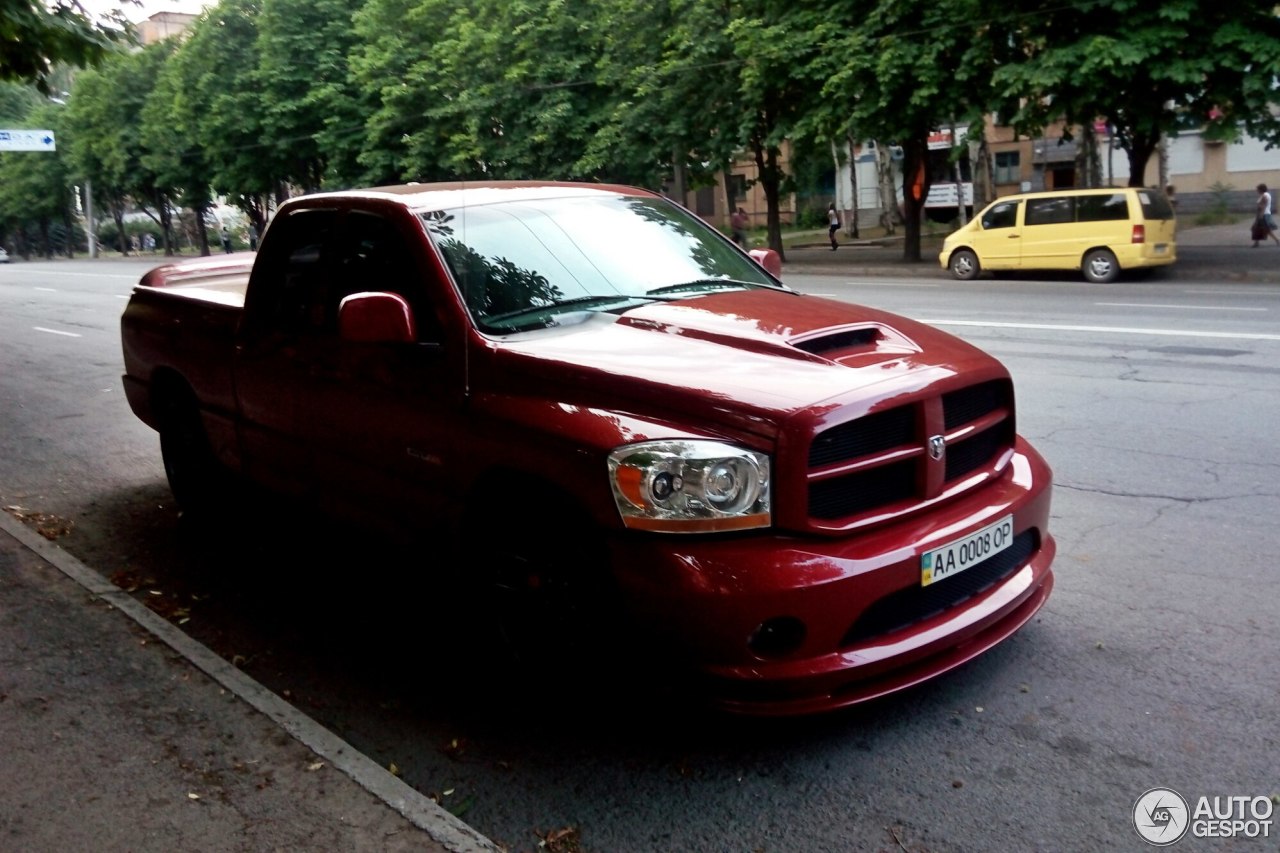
(1100, 266)
(540, 591)
(964, 265)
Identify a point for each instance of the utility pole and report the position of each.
(90, 232)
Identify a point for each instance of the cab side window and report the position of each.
(374, 256)
(1003, 215)
(291, 274)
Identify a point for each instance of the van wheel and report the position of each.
(964, 265)
(1100, 266)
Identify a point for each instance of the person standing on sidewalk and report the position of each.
(738, 225)
(1266, 222)
(833, 225)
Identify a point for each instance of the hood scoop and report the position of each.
(856, 346)
(829, 341)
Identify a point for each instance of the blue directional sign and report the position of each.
(27, 140)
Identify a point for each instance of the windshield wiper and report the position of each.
(567, 304)
(704, 284)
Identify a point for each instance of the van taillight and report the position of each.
(1139, 233)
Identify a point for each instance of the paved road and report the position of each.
(1149, 666)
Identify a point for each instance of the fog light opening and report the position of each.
(776, 637)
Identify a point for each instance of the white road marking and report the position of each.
(1179, 307)
(57, 332)
(46, 289)
(1119, 330)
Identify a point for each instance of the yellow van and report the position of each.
(1100, 232)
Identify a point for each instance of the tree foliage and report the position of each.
(36, 189)
(265, 98)
(36, 36)
(1147, 77)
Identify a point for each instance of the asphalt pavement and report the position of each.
(218, 762)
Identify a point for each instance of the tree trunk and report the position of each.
(888, 198)
(915, 189)
(770, 183)
(202, 228)
(853, 186)
(68, 222)
(122, 239)
(1140, 148)
(984, 177)
(679, 182)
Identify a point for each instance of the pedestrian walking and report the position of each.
(1264, 225)
(833, 225)
(738, 225)
(226, 240)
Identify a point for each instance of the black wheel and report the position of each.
(964, 265)
(1100, 266)
(541, 596)
(197, 480)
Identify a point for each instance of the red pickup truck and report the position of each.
(620, 418)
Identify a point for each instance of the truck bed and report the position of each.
(222, 281)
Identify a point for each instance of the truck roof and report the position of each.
(437, 196)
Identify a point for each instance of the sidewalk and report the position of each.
(119, 732)
(1205, 253)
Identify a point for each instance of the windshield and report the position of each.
(524, 264)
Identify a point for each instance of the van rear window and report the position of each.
(1155, 205)
(1102, 208)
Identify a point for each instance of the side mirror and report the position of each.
(374, 318)
(768, 259)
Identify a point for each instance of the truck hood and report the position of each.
(744, 359)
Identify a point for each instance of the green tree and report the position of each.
(389, 51)
(35, 189)
(36, 36)
(16, 103)
(97, 152)
(509, 87)
(1137, 65)
(718, 84)
(309, 109)
(221, 89)
(172, 152)
(897, 70)
(105, 108)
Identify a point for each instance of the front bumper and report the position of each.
(867, 630)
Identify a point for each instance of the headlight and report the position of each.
(690, 486)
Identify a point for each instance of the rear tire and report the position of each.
(964, 265)
(197, 480)
(1100, 266)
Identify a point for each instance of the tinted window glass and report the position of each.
(1002, 215)
(1155, 205)
(1050, 211)
(291, 274)
(1099, 208)
(531, 253)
